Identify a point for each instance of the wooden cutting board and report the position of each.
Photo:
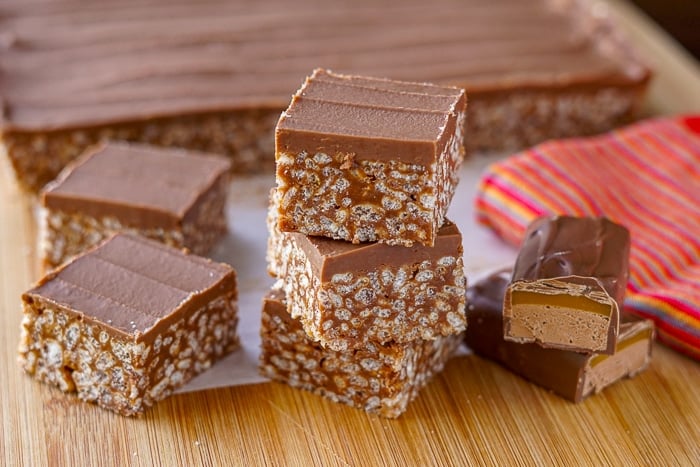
(473, 413)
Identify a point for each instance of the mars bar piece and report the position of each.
(568, 284)
(128, 322)
(369, 160)
(379, 378)
(173, 196)
(570, 374)
(346, 295)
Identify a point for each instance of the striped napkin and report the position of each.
(646, 177)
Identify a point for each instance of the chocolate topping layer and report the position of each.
(574, 246)
(331, 257)
(139, 185)
(78, 63)
(134, 286)
(570, 374)
(369, 118)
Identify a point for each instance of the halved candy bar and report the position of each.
(568, 284)
(570, 374)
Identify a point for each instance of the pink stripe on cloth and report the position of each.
(646, 177)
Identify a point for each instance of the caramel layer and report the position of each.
(560, 300)
(642, 334)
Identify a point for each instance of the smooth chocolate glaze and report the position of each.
(139, 185)
(329, 257)
(72, 64)
(562, 246)
(369, 118)
(561, 371)
(133, 286)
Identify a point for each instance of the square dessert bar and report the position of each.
(379, 378)
(169, 195)
(568, 284)
(128, 322)
(347, 295)
(369, 160)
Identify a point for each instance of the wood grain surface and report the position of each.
(474, 413)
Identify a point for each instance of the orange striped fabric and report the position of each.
(646, 177)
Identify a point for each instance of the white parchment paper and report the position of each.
(244, 249)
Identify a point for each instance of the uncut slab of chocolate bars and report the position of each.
(219, 84)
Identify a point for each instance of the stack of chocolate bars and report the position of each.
(370, 296)
(556, 320)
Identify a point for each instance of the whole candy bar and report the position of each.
(127, 323)
(369, 160)
(378, 378)
(570, 374)
(568, 284)
(170, 195)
